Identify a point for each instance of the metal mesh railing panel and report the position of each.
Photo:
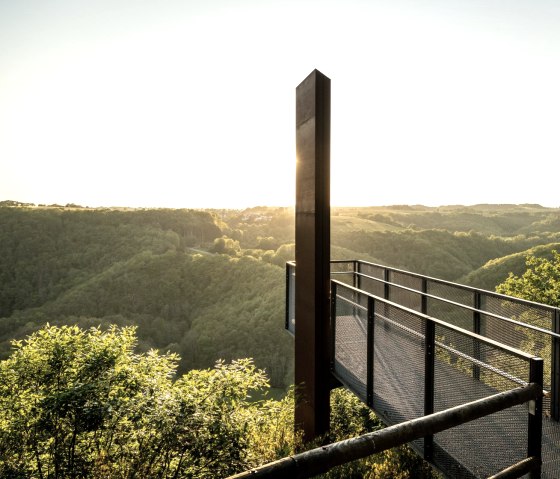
(550, 447)
(344, 272)
(398, 378)
(465, 367)
(453, 292)
(373, 270)
(402, 296)
(523, 338)
(509, 307)
(465, 372)
(511, 334)
(517, 336)
(462, 452)
(350, 346)
(372, 286)
(450, 313)
(342, 266)
(462, 318)
(534, 342)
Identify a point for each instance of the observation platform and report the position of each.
(410, 345)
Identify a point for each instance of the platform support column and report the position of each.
(312, 305)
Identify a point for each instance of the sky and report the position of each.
(191, 104)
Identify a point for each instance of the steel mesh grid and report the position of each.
(503, 331)
(372, 286)
(352, 297)
(451, 313)
(465, 372)
(342, 266)
(468, 452)
(551, 429)
(468, 354)
(533, 342)
(453, 292)
(509, 307)
(350, 347)
(347, 279)
(457, 316)
(343, 272)
(521, 337)
(550, 448)
(404, 297)
(398, 365)
(373, 270)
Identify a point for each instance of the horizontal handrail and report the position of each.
(520, 469)
(419, 335)
(483, 339)
(322, 459)
(426, 326)
(453, 303)
(472, 289)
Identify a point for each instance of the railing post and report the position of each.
(370, 350)
(424, 303)
(534, 432)
(386, 289)
(312, 339)
(429, 369)
(429, 377)
(355, 283)
(477, 302)
(334, 288)
(288, 294)
(555, 370)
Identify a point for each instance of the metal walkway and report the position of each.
(398, 397)
(384, 319)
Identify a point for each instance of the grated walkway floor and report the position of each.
(399, 396)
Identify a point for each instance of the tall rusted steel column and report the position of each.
(312, 304)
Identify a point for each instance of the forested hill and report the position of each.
(449, 242)
(144, 268)
(210, 284)
(45, 251)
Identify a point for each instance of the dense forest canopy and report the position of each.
(81, 403)
(125, 330)
(209, 284)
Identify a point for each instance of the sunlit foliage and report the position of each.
(539, 283)
(80, 403)
(77, 403)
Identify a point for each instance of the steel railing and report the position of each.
(323, 459)
(450, 335)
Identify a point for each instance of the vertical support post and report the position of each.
(312, 340)
(288, 294)
(429, 377)
(386, 293)
(476, 329)
(355, 283)
(334, 288)
(386, 287)
(370, 350)
(534, 433)
(555, 370)
(424, 303)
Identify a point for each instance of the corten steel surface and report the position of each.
(312, 304)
